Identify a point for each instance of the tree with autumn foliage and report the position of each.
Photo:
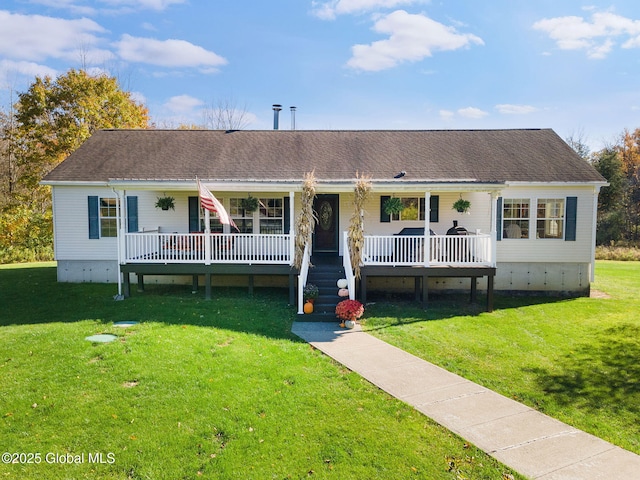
(619, 202)
(55, 116)
(48, 122)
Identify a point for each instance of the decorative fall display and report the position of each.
(343, 292)
(310, 292)
(308, 307)
(349, 310)
(356, 224)
(342, 283)
(306, 220)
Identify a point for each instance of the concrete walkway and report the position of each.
(527, 441)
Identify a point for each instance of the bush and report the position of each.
(621, 253)
(25, 236)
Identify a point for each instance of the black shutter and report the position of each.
(499, 220)
(287, 214)
(572, 213)
(94, 220)
(434, 209)
(132, 214)
(194, 214)
(384, 217)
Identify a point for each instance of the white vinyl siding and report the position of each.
(542, 250)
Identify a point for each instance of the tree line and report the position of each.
(618, 203)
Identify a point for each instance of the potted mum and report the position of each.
(310, 292)
(349, 311)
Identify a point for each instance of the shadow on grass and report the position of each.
(33, 296)
(600, 374)
(402, 310)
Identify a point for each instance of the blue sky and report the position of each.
(347, 64)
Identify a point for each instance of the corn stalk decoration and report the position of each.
(306, 219)
(356, 224)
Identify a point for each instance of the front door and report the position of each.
(325, 240)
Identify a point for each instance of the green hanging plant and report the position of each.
(166, 203)
(461, 205)
(249, 204)
(393, 206)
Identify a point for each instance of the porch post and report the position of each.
(427, 237)
(207, 238)
(292, 232)
(494, 234)
(121, 205)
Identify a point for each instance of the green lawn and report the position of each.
(198, 389)
(577, 360)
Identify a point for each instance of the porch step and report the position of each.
(325, 274)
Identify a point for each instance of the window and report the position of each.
(413, 210)
(515, 214)
(271, 215)
(242, 218)
(108, 217)
(550, 218)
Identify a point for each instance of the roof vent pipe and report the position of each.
(293, 118)
(276, 114)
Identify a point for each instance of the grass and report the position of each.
(198, 389)
(574, 359)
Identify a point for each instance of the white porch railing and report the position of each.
(348, 268)
(302, 277)
(154, 247)
(445, 250)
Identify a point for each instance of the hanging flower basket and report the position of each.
(462, 206)
(393, 206)
(249, 204)
(166, 203)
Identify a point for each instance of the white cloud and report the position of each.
(596, 37)
(508, 109)
(10, 71)
(329, 10)
(183, 104)
(472, 112)
(168, 53)
(412, 37)
(36, 37)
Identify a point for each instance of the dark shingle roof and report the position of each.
(486, 156)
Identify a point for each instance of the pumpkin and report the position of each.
(308, 307)
(343, 292)
(342, 283)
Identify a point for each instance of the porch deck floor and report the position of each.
(522, 438)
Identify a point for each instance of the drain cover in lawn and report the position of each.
(125, 323)
(102, 338)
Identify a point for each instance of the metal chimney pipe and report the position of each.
(293, 118)
(276, 114)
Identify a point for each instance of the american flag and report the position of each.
(211, 203)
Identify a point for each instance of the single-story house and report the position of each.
(530, 226)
